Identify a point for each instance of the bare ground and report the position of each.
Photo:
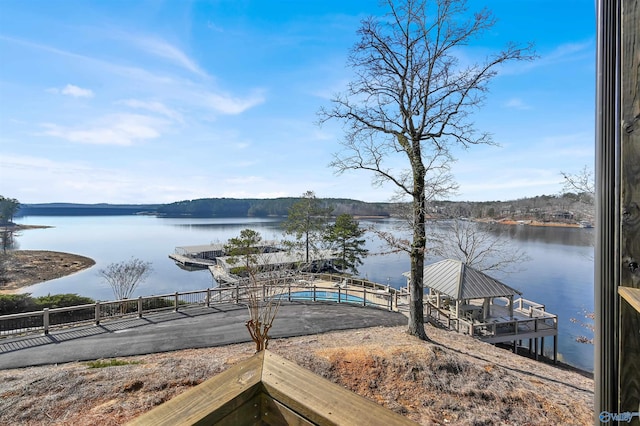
(454, 379)
(28, 267)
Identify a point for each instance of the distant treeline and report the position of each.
(246, 207)
(544, 207)
(70, 209)
(206, 207)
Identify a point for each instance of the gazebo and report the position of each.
(452, 281)
(466, 298)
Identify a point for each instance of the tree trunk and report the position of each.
(416, 314)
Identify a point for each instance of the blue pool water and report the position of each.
(325, 295)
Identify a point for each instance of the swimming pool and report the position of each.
(324, 296)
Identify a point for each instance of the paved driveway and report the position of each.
(197, 327)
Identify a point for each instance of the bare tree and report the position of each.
(8, 241)
(5, 262)
(482, 249)
(262, 282)
(411, 98)
(124, 277)
(582, 182)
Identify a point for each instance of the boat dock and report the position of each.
(214, 258)
(468, 301)
(193, 262)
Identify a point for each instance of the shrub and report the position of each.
(110, 363)
(61, 301)
(16, 303)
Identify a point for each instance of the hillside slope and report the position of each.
(453, 379)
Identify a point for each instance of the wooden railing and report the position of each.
(539, 322)
(300, 288)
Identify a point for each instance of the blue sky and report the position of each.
(160, 101)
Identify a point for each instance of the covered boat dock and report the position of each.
(469, 301)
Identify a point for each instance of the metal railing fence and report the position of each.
(301, 288)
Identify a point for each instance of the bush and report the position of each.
(16, 303)
(20, 303)
(240, 271)
(61, 301)
(110, 363)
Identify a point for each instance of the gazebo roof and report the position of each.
(460, 281)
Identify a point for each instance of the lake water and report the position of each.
(559, 273)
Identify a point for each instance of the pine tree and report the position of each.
(307, 221)
(345, 236)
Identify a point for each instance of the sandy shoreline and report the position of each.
(29, 267)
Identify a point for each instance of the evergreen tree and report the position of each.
(8, 208)
(307, 221)
(345, 237)
(244, 249)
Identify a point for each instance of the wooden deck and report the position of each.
(529, 322)
(191, 261)
(268, 389)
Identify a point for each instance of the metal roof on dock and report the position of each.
(200, 248)
(460, 281)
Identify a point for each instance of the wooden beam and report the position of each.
(631, 296)
(211, 401)
(319, 400)
(630, 199)
(268, 389)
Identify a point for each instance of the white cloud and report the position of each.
(214, 27)
(569, 52)
(77, 92)
(563, 53)
(249, 194)
(232, 105)
(71, 90)
(244, 164)
(196, 95)
(244, 180)
(167, 51)
(29, 163)
(153, 106)
(516, 103)
(118, 129)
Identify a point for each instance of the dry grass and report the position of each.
(28, 267)
(452, 380)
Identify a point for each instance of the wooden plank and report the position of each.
(630, 203)
(629, 360)
(276, 413)
(508, 337)
(631, 295)
(247, 412)
(319, 400)
(268, 389)
(210, 401)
